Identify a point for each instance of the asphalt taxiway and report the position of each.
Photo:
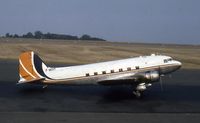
(180, 94)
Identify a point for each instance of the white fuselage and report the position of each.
(110, 67)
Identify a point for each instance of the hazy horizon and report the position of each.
(142, 21)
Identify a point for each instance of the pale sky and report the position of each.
(157, 21)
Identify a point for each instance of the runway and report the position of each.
(181, 94)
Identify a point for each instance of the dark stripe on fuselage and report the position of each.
(38, 66)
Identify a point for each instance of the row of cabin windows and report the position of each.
(112, 71)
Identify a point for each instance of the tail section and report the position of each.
(31, 67)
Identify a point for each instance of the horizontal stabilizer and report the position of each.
(39, 80)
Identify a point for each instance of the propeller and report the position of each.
(160, 79)
(161, 83)
(170, 76)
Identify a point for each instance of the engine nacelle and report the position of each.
(152, 75)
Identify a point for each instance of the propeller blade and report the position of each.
(161, 84)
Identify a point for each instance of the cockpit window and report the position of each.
(167, 60)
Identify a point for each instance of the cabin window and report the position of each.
(112, 71)
(87, 74)
(95, 73)
(128, 69)
(103, 72)
(137, 67)
(167, 60)
(120, 70)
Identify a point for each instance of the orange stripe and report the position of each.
(26, 59)
(24, 74)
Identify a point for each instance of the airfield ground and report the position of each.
(178, 102)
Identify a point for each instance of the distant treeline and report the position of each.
(40, 35)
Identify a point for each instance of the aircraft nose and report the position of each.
(176, 66)
(179, 64)
(168, 69)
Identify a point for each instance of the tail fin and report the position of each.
(31, 67)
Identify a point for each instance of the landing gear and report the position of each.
(44, 86)
(137, 93)
(140, 88)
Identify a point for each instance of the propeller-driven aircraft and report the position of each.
(140, 72)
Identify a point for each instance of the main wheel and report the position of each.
(44, 86)
(137, 94)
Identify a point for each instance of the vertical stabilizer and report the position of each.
(31, 67)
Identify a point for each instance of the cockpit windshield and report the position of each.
(167, 60)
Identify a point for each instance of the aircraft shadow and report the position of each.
(118, 93)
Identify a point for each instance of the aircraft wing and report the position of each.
(35, 81)
(120, 79)
(131, 78)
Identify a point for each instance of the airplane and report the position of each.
(140, 72)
